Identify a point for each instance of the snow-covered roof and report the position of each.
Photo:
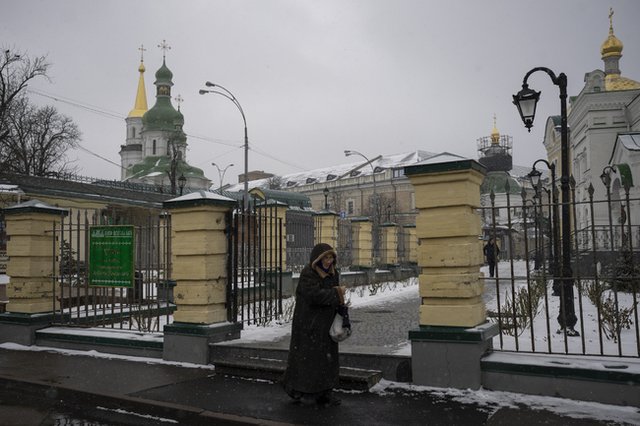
(362, 168)
(344, 170)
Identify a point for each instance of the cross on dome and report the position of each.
(164, 47)
(179, 100)
(142, 50)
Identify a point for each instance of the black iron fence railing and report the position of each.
(145, 305)
(588, 307)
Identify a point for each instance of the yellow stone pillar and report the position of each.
(326, 228)
(199, 267)
(412, 243)
(273, 235)
(453, 328)
(389, 243)
(362, 244)
(32, 251)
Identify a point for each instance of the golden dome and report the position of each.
(495, 134)
(617, 82)
(612, 46)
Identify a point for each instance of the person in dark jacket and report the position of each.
(491, 253)
(312, 366)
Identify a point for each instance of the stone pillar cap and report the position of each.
(199, 198)
(35, 206)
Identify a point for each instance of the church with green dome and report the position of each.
(156, 144)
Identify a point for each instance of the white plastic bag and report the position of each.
(337, 332)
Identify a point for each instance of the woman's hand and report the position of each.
(341, 290)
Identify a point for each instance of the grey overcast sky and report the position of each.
(315, 77)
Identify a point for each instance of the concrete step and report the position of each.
(273, 369)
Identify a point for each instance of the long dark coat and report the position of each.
(313, 356)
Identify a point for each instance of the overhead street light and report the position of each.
(221, 173)
(219, 90)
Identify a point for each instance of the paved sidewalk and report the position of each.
(199, 396)
(48, 387)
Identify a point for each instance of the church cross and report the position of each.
(164, 47)
(611, 19)
(142, 50)
(179, 100)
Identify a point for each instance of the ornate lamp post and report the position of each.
(526, 100)
(182, 181)
(227, 94)
(221, 173)
(534, 176)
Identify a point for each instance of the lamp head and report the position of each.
(606, 178)
(325, 191)
(182, 181)
(202, 91)
(526, 100)
(348, 152)
(534, 176)
(210, 84)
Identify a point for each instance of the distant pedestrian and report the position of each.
(312, 367)
(491, 253)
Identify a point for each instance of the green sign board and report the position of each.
(111, 251)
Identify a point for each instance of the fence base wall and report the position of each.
(613, 381)
(21, 328)
(450, 356)
(190, 342)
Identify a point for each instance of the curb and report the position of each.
(182, 414)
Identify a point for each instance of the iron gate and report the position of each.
(146, 306)
(255, 264)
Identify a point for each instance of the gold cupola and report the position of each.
(140, 107)
(612, 46)
(495, 134)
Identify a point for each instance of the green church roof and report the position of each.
(497, 181)
(154, 166)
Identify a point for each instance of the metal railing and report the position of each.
(530, 298)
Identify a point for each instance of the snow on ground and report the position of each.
(96, 354)
(494, 400)
(394, 291)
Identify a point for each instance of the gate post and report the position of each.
(199, 259)
(454, 333)
(362, 243)
(32, 251)
(389, 243)
(327, 228)
(412, 243)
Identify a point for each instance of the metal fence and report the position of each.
(145, 306)
(255, 265)
(589, 307)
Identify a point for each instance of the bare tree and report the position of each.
(16, 71)
(37, 139)
(275, 182)
(174, 147)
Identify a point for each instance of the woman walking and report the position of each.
(312, 366)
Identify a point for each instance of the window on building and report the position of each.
(354, 173)
(311, 180)
(153, 149)
(397, 173)
(133, 132)
(331, 177)
(350, 205)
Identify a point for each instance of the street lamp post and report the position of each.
(374, 203)
(326, 194)
(526, 101)
(534, 176)
(221, 173)
(227, 94)
(348, 152)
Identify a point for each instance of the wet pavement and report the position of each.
(54, 388)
